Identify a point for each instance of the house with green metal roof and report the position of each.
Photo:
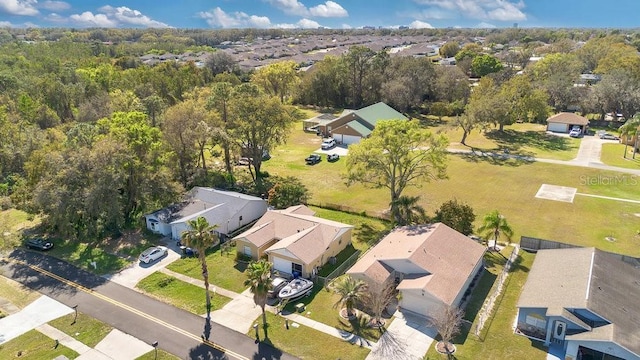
(353, 125)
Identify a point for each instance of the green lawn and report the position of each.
(521, 139)
(486, 184)
(179, 293)
(497, 340)
(86, 329)
(307, 343)
(81, 254)
(223, 269)
(367, 230)
(162, 355)
(612, 154)
(34, 345)
(16, 293)
(18, 219)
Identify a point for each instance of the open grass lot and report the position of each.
(486, 184)
(179, 293)
(223, 269)
(521, 139)
(33, 345)
(307, 343)
(18, 220)
(497, 340)
(367, 230)
(16, 293)
(612, 154)
(86, 329)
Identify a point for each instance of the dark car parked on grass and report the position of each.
(39, 244)
(313, 159)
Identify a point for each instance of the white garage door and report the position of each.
(282, 265)
(557, 127)
(350, 139)
(418, 304)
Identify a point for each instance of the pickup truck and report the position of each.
(313, 159)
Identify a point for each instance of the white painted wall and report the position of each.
(419, 302)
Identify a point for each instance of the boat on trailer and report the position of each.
(295, 289)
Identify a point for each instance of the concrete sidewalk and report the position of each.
(39, 312)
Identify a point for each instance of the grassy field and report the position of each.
(223, 269)
(18, 220)
(179, 293)
(81, 254)
(86, 329)
(520, 139)
(485, 183)
(162, 355)
(497, 340)
(307, 343)
(34, 345)
(612, 155)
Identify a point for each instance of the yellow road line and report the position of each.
(129, 308)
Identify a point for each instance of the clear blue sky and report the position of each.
(219, 14)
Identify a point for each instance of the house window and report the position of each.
(296, 269)
(536, 320)
(247, 250)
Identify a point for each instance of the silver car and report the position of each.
(153, 253)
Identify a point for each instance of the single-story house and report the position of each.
(584, 300)
(563, 122)
(295, 240)
(433, 266)
(353, 125)
(632, 140)
(228, 210)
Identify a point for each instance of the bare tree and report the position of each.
(378, 296)
(448, 322)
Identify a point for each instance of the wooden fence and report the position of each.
(535, 244)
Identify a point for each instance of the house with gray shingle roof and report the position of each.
(228, 210)
(585, 301)
(433, 266)
(295, 240)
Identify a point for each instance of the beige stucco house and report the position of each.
(433, 266)
(294, 240)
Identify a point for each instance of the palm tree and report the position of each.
(494, 224)
(406, 211)
(351, 293)
(628, 130)
(201, 237)
(259, 282)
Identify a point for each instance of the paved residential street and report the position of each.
(177, 331)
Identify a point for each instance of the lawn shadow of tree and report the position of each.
(498, 158)
(515, 140)
(359, 327)
(429, 121)
(370, 234)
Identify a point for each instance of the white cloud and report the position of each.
(219, 18)
(19, 7)
(53, 17)
(417, 24)
(88, 19)
(125, 15)
(347, 26)
(53, 5)
(501, 10)
(484, 25)
(302, 24)
(328, 9)
(308, 24)
(295, 7)
(5, 24)
(291, 7)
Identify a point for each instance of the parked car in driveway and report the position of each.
(608, 136)
(333, 157)
(153, 253)
(313, 159)
(39, 244)
(575, 132)
(328, 143)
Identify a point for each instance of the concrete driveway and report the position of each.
(341, 150)
(407, 338)
(137, 271)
